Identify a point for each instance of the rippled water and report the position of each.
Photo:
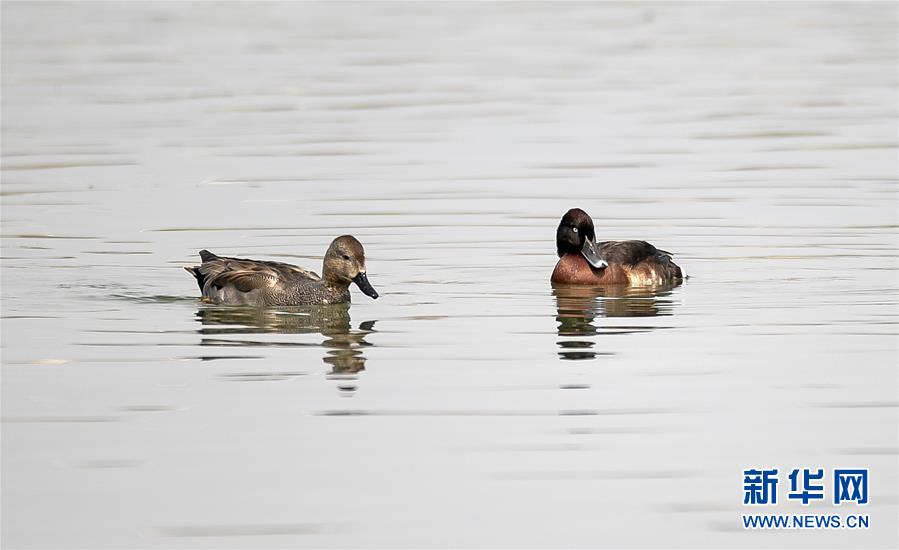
(472, 404)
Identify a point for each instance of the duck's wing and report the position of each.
(245, 275)
(630, 252)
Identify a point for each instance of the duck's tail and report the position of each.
(206, 256)
(195, 271)
(671, 270)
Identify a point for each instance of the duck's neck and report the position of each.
(332, 281)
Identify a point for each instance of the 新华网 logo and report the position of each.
(762, 486)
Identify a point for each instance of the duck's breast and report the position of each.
(300, 291)
(574, 269)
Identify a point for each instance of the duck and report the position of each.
(243, 282)
(583, 261)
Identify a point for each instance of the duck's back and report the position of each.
(643, 263)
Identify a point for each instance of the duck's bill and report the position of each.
(361, 281)
(591, 254)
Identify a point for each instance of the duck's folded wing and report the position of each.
(243, 275)
(630, 252)
(243, 280)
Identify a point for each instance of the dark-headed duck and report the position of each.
(583, 261)
(236, 281)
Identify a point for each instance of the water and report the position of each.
(472, 404)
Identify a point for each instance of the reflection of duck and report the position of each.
(578, 306)
(345, 350)
(286, 320)
(583, 261)
(344, 345)
(614, 300)
(237, 281)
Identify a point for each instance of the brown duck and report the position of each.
(237, 281)
(583, 261)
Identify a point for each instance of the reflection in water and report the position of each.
(344, 345)
(577, 306)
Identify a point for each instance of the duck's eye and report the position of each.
(345, 257)
(574, 229)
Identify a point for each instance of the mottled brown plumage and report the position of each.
(238, 281)
(583, 261)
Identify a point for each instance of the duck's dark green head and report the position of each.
(576, 235)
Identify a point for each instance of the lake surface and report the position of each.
(472, 405)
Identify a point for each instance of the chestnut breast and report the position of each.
(574, 269)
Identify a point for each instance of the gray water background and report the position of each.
(471, 405)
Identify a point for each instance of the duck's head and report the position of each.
(345, 263)
(576, 235)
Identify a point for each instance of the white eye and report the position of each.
(574, 229)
